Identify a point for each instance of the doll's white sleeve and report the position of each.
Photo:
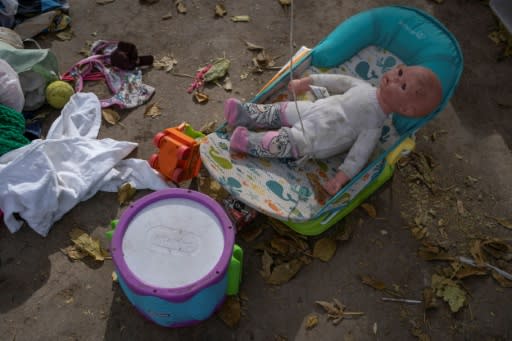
(360, 152)
(335, 83)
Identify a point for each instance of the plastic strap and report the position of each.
(83, 70)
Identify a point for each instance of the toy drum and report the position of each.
(172, 250)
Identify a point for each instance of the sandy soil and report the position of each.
(443, 200)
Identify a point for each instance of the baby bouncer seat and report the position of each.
(366, 45)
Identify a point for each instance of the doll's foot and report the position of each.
(239, 140)
(234, 113)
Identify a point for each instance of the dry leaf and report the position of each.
(88, 244)
(285, 3)
(166, 63)
(231, 311)
(114, 276)
(419, 232)
(460, 207)
(344, 233)
(111, 116)
(180, 6)
(336, 311)
(498, 249)
(266, 264)
(152, 110)
(86, 49)
(217, 70)
(284, 272)
(449, 291)
(262, 59)
(429, 251)
(201, 97)
(253, 47)
(74, 253)
(321, 195)
(311, 321)
(65, 35)
(167, 16)
(104, 2)
(372, 282)
(262, 62)
(476, 252)
(329, 307)
(284, 230)
(228, 86)
(370, 210)
(250, 234)
(502, 281)
(209, 186)
(429, 299)
(423, 165)
(505, 223)
(125, 193)
(220, 10)
(209, 127)
(416, 331)
(281, 245)
(324, 249)
(240, 18)
(463, 271)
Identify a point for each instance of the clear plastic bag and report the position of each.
(8, 9)
(11, 94)
(10, 37)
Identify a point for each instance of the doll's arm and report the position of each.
(335, 83)
(334, 184)
(355, 160)
(299, 86)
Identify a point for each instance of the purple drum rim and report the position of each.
(178, 294)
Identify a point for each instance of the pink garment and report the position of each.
(125, 85)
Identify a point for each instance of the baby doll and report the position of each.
(350, 119)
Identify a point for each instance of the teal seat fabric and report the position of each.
(411, 34)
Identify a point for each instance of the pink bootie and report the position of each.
(231, 111)
(239, 140)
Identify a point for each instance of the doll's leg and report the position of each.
(271, 144)
(254, 116)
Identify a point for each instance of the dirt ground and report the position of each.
(444, 199)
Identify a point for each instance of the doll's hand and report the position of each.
(299, 86)
(333, 185)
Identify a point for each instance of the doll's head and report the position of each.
(413, 91)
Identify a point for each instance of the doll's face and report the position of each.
(412, 91)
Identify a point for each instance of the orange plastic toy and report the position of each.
(178, 158)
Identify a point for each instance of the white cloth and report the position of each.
(45, 179)
(350, 120)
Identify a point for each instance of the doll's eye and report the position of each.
(400, 72)
(404, 86)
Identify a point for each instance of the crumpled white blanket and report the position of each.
(45, 179)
